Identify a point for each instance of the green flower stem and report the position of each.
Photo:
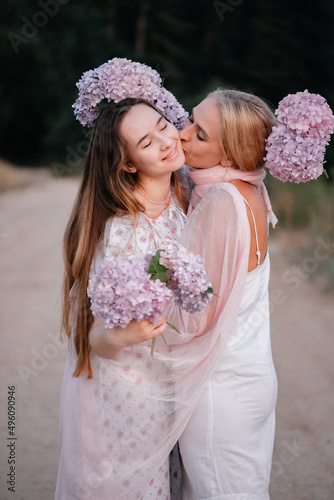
(152, 348)
(174, 328)
(162, 335)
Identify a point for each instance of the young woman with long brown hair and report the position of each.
(129, 202)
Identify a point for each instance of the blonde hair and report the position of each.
(107, 189)
(246, 123)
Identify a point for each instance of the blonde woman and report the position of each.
(227, 444)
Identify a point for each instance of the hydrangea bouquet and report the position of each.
(127, 289)
(118, 79)
(296, 147)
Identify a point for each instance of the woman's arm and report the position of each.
(109, 342)
(218, 230)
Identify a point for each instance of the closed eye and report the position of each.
(191, 120)
(147, 145)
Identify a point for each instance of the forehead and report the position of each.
(207, 115)
(138, 122)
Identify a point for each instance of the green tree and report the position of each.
(269, 47)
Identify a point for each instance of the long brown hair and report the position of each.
(247, 121)
(107, 189)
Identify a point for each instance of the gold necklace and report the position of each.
(154, 202)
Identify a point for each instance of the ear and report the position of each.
(224, 162)
(128, 167)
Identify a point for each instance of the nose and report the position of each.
(186, 132)
(165, 142)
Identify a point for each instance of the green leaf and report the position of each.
(103, 104)
(210, 290)
(325, 174)
(156, 270)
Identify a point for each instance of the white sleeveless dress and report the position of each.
(227, 445)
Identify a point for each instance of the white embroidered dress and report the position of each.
(104, 420)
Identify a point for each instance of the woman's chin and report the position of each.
(191, 163)
(187, 161)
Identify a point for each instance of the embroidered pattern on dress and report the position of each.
(126, 418)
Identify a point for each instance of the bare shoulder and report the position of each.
(251, 195)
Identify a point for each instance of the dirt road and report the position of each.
(32, 358)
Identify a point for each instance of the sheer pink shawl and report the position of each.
(120, 426)
(204, 179)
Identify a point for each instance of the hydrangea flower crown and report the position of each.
(118, 79)
(296, 146)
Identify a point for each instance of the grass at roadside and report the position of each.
(306, 214)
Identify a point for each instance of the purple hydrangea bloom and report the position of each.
(118, 79)
(122, 291)
(305, 112)
(122, 78)
(91, 93)
(171, 108)
(296, 147)
(187, 277)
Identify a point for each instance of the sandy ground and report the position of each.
(33, 216)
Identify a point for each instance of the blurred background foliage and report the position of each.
(268, 47)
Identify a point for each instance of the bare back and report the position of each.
(256, 202)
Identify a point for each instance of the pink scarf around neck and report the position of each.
(205, 178)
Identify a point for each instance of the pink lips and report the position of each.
(172, 154)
